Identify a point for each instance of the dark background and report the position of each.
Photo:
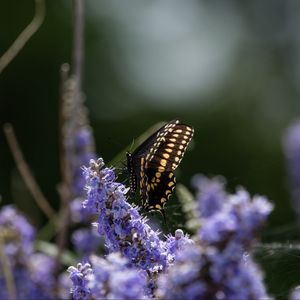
(231, 69)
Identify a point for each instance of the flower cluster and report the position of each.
(120, 223)
(109, 278)
(213, 265)
(219, 264)
(24, 274)
(17, 235)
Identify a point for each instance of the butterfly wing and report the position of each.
(136, 160)
(157, 178)
(156, 189)
(168, 151)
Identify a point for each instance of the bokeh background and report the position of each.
(229, 68)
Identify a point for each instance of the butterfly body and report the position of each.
(151, 166)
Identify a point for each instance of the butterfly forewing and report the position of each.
(169, 152)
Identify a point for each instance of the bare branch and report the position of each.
(25, 172)
(24, 36)
(72, 93)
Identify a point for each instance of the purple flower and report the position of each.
(291, 147)
(109, 278)
(17, 234)
(32, 273)
(41, 276)
(86, 241)
(80, 279)
(210, 194)
(206, 272)
(218, 227)
(295, 294)
(64, 286)
(178, 242)
(219, 265)
(238, 219)
(79, 214)
(181, 278)
(120, 222)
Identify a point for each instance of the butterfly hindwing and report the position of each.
(157, 189)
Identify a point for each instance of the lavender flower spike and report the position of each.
(32, 273)
(120, 223)
(219, 264)
(291, 147)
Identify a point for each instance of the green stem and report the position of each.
(7, 272)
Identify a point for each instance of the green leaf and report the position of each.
(49, 230)
(188, 204)
(67, 258)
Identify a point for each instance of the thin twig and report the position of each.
(64, 76)
(25, 35)
(7, 272)
(64, 187)
(78, 43)
(25, 172)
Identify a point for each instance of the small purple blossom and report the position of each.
(86, 241)
(210, 194)
(64, 286)
(83, 153)
(79, 214)
(79, 278)
(42, 268)
(179, 280)
(178, 242)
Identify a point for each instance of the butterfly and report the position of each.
(151, 165)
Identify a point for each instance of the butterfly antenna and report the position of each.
(165, 220)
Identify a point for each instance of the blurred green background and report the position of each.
(231, 69)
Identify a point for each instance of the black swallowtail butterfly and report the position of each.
(151, 166)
